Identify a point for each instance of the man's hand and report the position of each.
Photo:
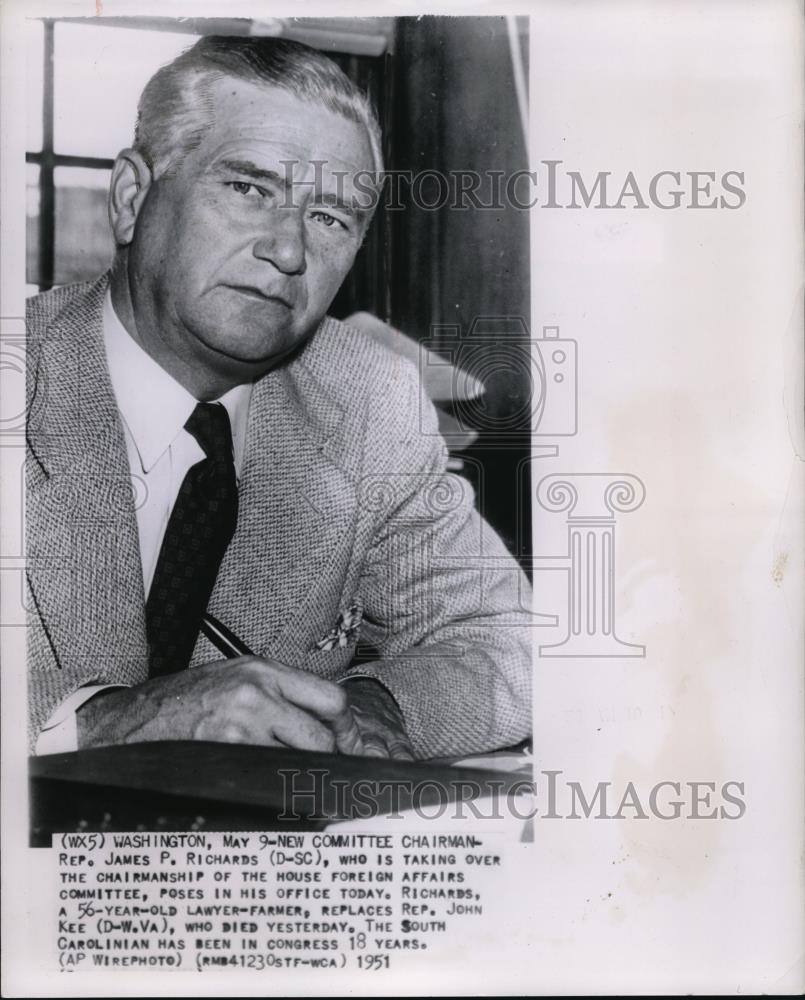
(246, 700)
(379, 719)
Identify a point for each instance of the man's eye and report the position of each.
(330, 221)
(244, 188)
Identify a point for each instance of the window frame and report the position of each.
(47, 159)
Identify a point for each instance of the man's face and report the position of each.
(241, 250)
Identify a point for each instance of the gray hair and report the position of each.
(176, 107)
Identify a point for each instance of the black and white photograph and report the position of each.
(402, 487)
(254, 488)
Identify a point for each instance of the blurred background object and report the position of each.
(450, 275)
(444, 384)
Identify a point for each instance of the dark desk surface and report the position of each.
(216, 786)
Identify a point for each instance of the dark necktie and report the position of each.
(199, 530)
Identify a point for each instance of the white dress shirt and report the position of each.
(154, 408)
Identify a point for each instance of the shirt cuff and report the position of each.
(60, 733)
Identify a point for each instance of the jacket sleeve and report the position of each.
(445, 605)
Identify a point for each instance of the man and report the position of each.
(203, 438)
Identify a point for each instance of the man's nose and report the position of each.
(283, 242)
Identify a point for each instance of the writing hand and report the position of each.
(245, 700)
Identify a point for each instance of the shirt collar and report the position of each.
(154, 406)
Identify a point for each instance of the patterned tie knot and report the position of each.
(209, 425)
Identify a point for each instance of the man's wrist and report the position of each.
(379, 718)
(59, 732)
(373, 688)
(94, 719)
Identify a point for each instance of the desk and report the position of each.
(171, 786)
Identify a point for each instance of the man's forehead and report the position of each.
(280, 154)
(272, 124)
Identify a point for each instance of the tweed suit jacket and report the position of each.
(343, 500)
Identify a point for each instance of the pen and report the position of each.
(224, 641)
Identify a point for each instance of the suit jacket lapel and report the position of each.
(296, 517)
(82, 546)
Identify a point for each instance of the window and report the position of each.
(74, 133)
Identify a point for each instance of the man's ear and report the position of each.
(131, 179)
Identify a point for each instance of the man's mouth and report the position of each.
(259, 296)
